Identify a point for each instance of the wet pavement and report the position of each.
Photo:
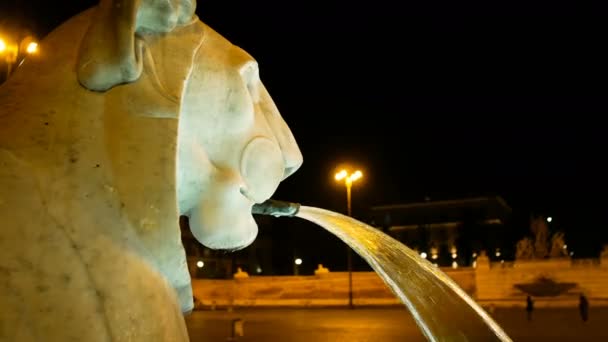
(378, 325)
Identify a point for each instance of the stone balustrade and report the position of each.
(325, 288)
(552, 282)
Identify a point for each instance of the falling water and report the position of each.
(441, 308)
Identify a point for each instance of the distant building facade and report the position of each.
(452, 232)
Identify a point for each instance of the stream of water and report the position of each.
(442, 310)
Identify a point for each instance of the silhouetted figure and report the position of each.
(583, 306)
(529, 307)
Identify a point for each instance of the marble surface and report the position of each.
(95, 171)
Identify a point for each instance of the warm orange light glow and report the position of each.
(340, 175)
(2, 45)
(343, 175)
(32, 47)
(358, 174)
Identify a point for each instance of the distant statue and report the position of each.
(604, 253)
(540, 230)
(321, 270)
(558, 244)
(240, 274)
(138, 114)
(524, 249)
(539, 248)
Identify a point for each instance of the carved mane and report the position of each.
(111, 53)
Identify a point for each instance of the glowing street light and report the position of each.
(11, 51)
(348, 179)
(32, 48)
(341, 175)
(423, 255)
(549, 219)
(298, 261)
(200, 264)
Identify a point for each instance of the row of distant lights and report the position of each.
(32, 47)
(434, 256)
(298, 261)
(497, 253)
(201, 264)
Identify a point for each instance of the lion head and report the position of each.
(233, 146)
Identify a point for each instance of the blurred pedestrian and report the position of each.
(529, 307)
(583, 306)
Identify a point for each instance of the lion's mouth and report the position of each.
(243, 190)
(184, 225)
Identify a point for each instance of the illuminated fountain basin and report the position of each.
(442, 310)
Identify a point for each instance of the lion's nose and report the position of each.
(292, 156)
(290, 170)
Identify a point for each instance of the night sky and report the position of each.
(439, 100)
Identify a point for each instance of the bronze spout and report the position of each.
(276, 208)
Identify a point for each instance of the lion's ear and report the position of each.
(109, 53)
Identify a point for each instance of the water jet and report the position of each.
(442, 310)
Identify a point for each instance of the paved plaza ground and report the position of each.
(386, 324)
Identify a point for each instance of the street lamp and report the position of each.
(31, 48)
(348, 181)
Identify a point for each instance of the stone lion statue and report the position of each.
(133, 114)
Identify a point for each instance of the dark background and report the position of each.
(445, 100)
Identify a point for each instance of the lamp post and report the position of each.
(296, 266)
(348, 182)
